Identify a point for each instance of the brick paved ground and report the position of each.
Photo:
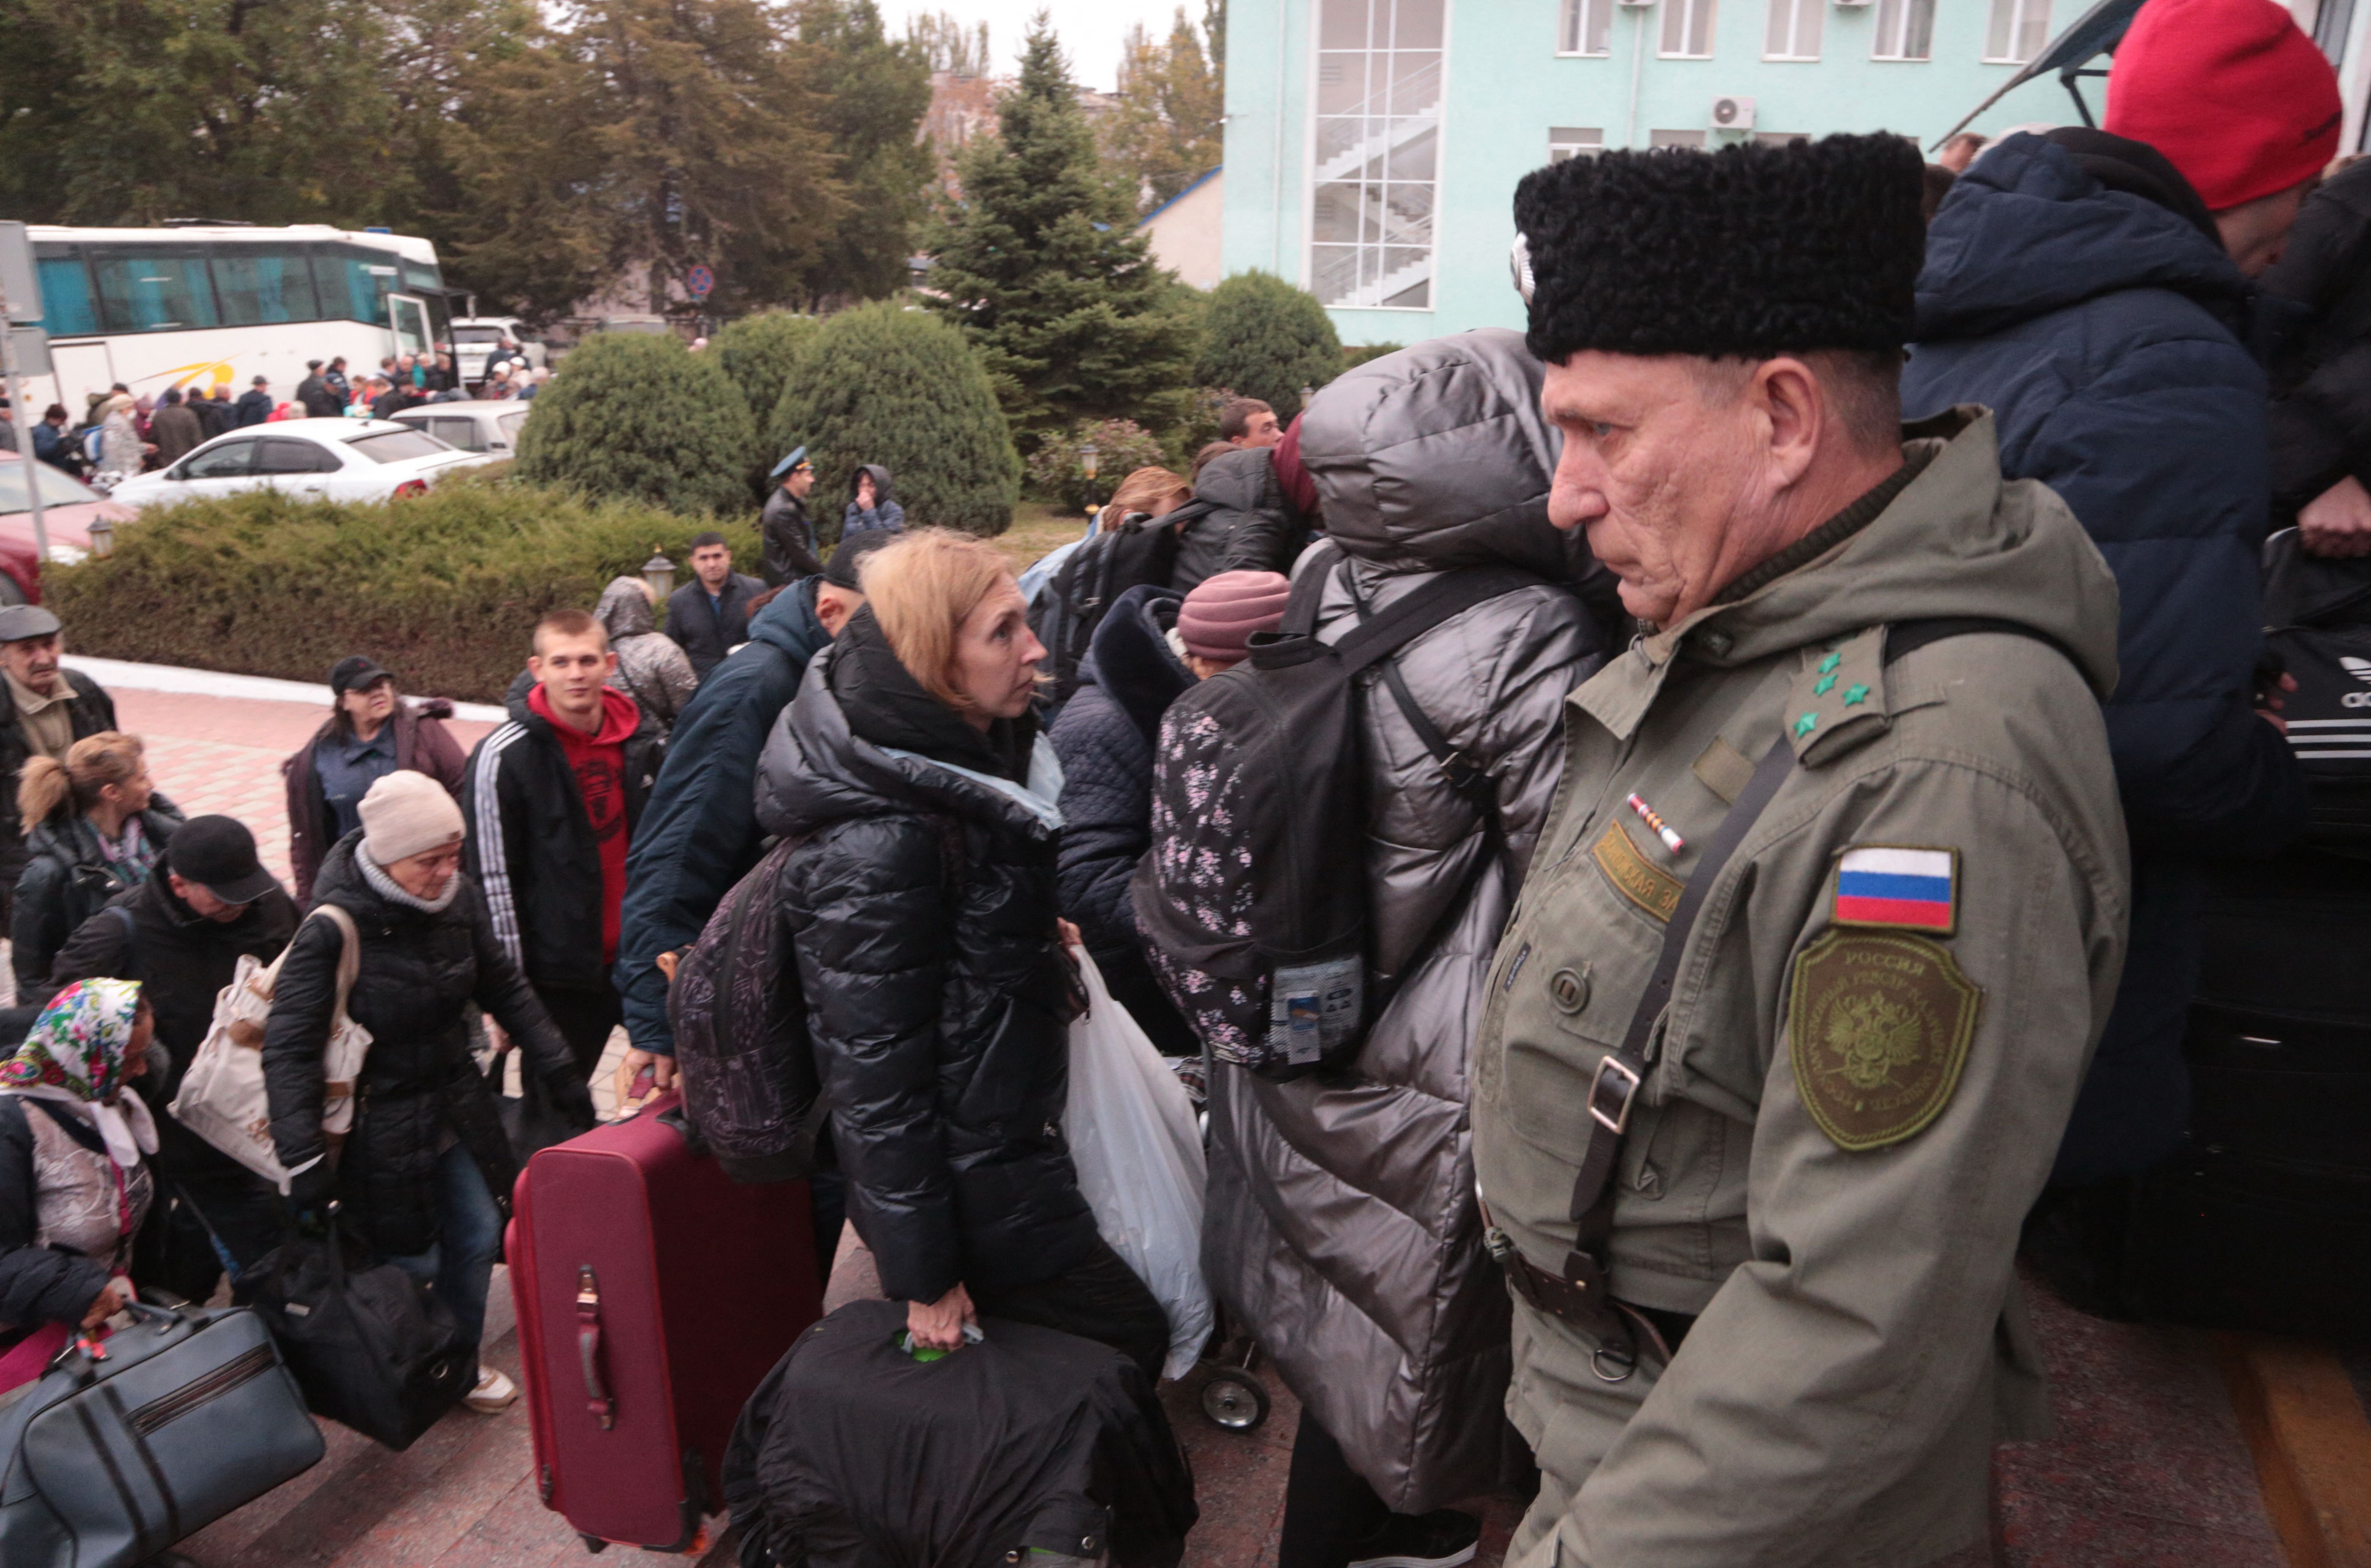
(2148, 1469)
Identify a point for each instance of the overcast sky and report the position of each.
(1090, 29)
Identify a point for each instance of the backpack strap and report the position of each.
(1581, 1294)
(1463, 774)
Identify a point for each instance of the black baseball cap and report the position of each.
(218, 854)
(358, 672)
(840, 570)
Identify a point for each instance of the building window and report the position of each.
(1905, 31)
(1574, 142)
(1794, 31)
(1779, 138)
(2017, 30)
(1675, 138)
(1376, 165)
(1687, 30)
(1586, 27)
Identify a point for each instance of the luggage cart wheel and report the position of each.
(1237, 1401)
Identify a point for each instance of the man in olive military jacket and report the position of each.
(1778, 1045)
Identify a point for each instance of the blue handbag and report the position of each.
(123, 1447)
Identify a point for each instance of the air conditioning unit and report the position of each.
(1733, 114)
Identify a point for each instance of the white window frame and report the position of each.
(1895, 19)
(1680, 138)
(1310, 243)
(1801, 16)
(1573, 20)
(2019, 13)
(1574, 142)
(1687, 18)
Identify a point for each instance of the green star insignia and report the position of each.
(1819, 687)
(1831, 661)
(1854, 694)
(1806, 724)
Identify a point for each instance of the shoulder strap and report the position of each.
(350, 952)
(1382, 635)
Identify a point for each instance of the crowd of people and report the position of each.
(1771, 833)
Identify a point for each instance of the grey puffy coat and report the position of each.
(1342, 1223)
(651, 668)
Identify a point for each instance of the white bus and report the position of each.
(189, 305)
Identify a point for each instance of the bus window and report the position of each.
(65, 293)
(409, 319)
(262, 285)
(153, 288)
(420, 275)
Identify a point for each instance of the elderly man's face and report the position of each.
(1655, 471)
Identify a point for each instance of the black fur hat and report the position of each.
(1750, 251)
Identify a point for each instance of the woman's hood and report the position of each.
(881, 495)
(625, 609)
(1437, 455)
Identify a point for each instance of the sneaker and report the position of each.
(1441, 1538)
(495, 1392)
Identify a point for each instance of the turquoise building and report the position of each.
(1372, 147)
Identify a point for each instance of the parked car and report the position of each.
(336, 459)
(490, 426)
(475, 338)
(68, 509)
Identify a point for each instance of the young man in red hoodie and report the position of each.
(551, 799)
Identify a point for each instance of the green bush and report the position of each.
(757, 352)
(1122, 446)
(639, 417)
(881, 384)
(441, 588)
(1267, 340)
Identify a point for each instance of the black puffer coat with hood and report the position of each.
(922, 905)
(420, 967)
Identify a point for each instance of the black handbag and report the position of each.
(124, 1447)
(531, 1123)
(372, 1349)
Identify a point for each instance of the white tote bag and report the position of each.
(223, 1098)
(1138, 1154)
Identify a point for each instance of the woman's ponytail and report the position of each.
(41, 788)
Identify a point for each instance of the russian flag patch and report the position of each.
(1899, 889)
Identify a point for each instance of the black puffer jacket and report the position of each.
(418, 969)
(89, 709)
(2321, 381)
(923, 907)
(67, 881)
(1105, 738)
(1254, 526)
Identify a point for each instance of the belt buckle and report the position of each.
(1612, 1066)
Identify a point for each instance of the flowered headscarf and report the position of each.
(79, 1041)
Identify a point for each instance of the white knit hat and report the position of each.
(407, 814)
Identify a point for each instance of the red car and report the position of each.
(68, 509)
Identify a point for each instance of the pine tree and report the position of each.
(1262, 338)
(874, 94)
(641, 418)
(1041, 265)
(881, 384)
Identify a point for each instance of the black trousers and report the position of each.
(584, 1020)
(177, 1251)
(1328, 1506)
(1101, 1299)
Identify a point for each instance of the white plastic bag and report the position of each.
(1133, 1138)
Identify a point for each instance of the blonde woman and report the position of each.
(1154, 491)
(96, 826)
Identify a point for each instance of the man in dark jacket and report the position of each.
(2092, 289)
(699, 835)
(1251, 525)
(785, 532)
(49, 710)
(2321, 376)
(181, 934)
(255, 403)
(216, 414)
(176, 431)
(708, 616)
(551, 799)
(314, 392)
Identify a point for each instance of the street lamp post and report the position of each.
(102, 537)
(658, 574)
(1088, 460)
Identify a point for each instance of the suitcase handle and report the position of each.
(597, 1401)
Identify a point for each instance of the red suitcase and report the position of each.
(654, 1293)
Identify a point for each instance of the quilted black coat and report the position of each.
(922, 904)
(418, 971)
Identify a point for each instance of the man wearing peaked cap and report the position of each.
(786, 533)
(1777, 1046)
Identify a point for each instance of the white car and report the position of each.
(475, 338)
(335, 459)
(488, 426)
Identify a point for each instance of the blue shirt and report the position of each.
(346, 770)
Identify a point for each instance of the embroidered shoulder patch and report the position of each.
(1879, 1028)
(1899, 887)
(1634, 876)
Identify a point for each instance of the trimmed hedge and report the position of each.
(757, 352)
(639, 417)
(1267, 340)
(443, 588)
(882, 383)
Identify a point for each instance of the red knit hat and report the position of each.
(2230, 91)
(1218, 618)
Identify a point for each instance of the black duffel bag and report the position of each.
(119, 1450)
(2318, 618)
(372, 1349)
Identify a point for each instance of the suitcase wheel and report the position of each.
(1237, 1401)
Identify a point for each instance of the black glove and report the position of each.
(311, 1189)
(572, 1098)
